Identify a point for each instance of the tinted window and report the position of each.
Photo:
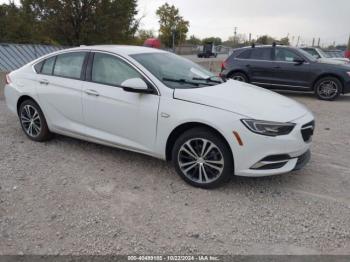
(48, 66)
(261, 54)
(312, 52)
(285, 55)
(245, 55)
(38, 67)
(110, 70)
(69, 65)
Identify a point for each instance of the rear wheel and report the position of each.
(33, 121)
(202, 158)
(238, 76)
(328, 88)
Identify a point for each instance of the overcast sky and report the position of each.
(328, 19)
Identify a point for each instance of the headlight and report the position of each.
(268, 128)
(348, 72)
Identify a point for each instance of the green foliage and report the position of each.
(265, 40)
(284, 41)
(214, 40)
(194, 40)
(142, 35)
(69, 22)
(169, 19)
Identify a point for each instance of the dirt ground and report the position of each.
(72, 197)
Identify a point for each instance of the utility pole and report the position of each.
(235, 35)
(313, 42)
(250, 38)
(298, 40)
(319, 42)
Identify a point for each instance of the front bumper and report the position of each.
(266, 156)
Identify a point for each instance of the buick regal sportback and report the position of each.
(157, 103)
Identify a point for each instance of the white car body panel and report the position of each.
(144, 122)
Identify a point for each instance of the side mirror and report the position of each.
(136, 85)
(298, 61)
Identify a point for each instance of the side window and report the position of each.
(69, 65)
(38, 67)
(110, 70)
(285, 55)
(261, 53)
(48, 66)
(245, 54)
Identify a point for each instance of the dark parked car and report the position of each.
(207, 51)
(288, 68)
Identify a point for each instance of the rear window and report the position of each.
(38, 67)
(245, 54)
(261, 54)
(48, 66)
(69, 65)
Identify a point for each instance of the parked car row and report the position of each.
(288, 68)
(318, 53)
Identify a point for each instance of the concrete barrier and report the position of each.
(2, 84)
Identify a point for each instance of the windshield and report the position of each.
(307, 55)
(323, 54)
(175, 71)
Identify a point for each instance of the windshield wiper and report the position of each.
(184, 81)
(208, 79)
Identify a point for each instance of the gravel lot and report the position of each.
(72, 197)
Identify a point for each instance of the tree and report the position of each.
(284, 41)
(69, 22)
(215, 40)
(265, 40)
(194, 40)
(142, 35)
(15, 26)
(169, 20)
(238, 40)
(349, 44)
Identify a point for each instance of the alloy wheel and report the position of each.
(201, 160)
(327, 89)
(31, 121)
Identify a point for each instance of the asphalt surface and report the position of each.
(72, 197)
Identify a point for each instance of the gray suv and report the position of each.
(288, 68)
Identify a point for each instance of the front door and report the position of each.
(114, 115)
(291, 75)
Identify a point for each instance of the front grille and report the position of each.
(307, 131)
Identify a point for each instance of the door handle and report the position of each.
(247, 66)
(276, 67)
(91, 92)
(44, 82)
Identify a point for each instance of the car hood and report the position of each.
(334, 61)
(244, 99)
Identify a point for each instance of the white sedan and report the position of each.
(157, 103)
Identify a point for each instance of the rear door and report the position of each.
(259, 65)
(289, 74)
(60, 90)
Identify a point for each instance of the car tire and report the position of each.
(33, 121)
(328, 88)
(238, 76)
(206, 168)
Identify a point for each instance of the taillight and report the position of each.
(223, 66)
(347, 54)
(8, 79)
